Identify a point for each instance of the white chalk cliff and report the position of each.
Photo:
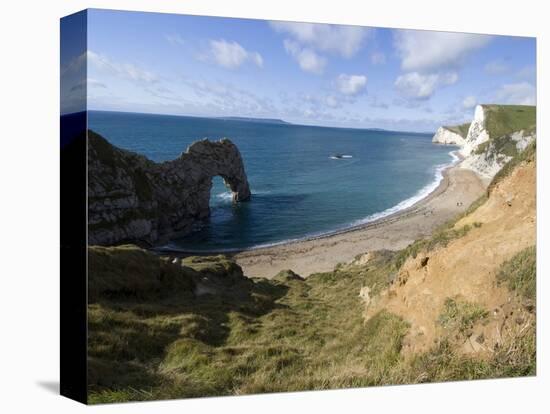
(481, 152)
(477, 134)
(446, 136)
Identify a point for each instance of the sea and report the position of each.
(306, 181)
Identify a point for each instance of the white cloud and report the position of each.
(496, 67)
(175, 39)
(231, 55)
(423, 51)
(257, 59)
(469, 102)
(378, 58)
(126, 71)
(418, 86)
(351, 84)
(341, 40)
(522, 93)
(308, 60)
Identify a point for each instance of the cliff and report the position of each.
(451, 135)
(496, 134)
(459, 305)
(131, 198)
(462, 285)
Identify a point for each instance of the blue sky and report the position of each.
(317, 74)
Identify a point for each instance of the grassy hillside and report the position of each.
(504, 119)
(276, 335)
(461, 130)
(501, 121)
(238, 335)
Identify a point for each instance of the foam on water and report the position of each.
(409, 202)
(226, 196)
(403, 205)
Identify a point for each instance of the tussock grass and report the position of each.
(515, 358)
(285, 334)
(459, 315)
(520, 273)
(252, 336)
(128, 271)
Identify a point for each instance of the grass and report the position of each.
(459, 315)
(520, 273)
(256, 335)
(251, 336)
(461, 130)
(502, 120)
(128, 272)
(515, 357)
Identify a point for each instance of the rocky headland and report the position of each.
(133, 199)
(496, 134)
(451, 135)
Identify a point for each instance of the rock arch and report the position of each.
(133, 199)
(221, 158)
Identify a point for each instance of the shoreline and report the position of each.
(457, 189)
(457, 159)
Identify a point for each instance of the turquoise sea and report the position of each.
(306, 180)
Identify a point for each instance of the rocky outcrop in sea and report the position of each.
(133, 199)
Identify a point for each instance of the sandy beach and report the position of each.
(458, 189)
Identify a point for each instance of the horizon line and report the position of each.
(252, 118)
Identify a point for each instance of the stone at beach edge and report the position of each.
(133, 199)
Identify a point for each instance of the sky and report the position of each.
(315, 74)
